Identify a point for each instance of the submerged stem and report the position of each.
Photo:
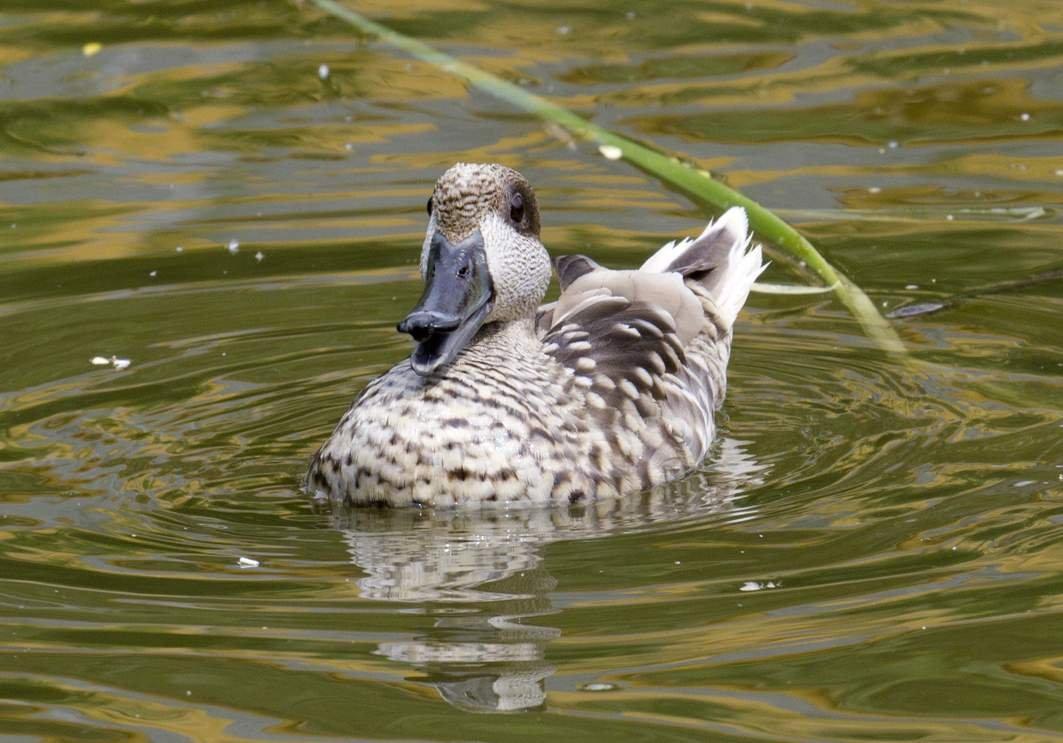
(694, 182)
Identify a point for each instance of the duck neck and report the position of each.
(507, 336)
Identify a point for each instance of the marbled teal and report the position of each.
(608, 391)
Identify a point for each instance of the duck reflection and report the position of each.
(481, 575)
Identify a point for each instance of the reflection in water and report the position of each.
(482, 574)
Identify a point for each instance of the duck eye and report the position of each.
(428, 206)
(516, 208)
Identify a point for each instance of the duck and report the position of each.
(608, 391)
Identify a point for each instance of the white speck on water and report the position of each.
(153, 274)
(750, 585)
(631, 15)
(911, 287)
(188, 692)
(259, 256)
(1024, 116)
(1058, 172)
(882, 150)
(349, 147)
(893, 144)
(233, 246)
(100, 361)
(949, 218)
(1024, 483)
(610, 152)
(874, 189)
(247, 562)
(597, 686)
(678, 562)
(923, 627)
(180, 249)
(120, 364)
(564, 30)
(323, 71)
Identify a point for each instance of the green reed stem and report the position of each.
(694, 182)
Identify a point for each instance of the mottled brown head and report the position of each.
(482, 260)
(467, 191)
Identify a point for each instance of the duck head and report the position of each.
(482, 261)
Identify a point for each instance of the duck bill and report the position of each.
(456, 301)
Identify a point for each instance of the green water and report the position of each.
(873, 552)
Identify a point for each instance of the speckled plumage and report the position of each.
(608, 391)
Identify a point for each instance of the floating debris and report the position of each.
(180, 249)
(323, 72)
(91, 49)
(233, 246)
(153, 274)
(752, 585)
(564, 30)
(247, 562)
(611, 152)
(598, 686)
(1024, 116)
(114, 361)
(912, 310)
(259, 256)
(911, 287)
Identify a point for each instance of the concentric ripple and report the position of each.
(872, 551)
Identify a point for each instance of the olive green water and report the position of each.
(873, 552)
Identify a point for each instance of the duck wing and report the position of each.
(655, 342)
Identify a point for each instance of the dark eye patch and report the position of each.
(516, 207)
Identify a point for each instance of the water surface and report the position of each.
(874, 550)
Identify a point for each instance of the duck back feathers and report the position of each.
(653, 344)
